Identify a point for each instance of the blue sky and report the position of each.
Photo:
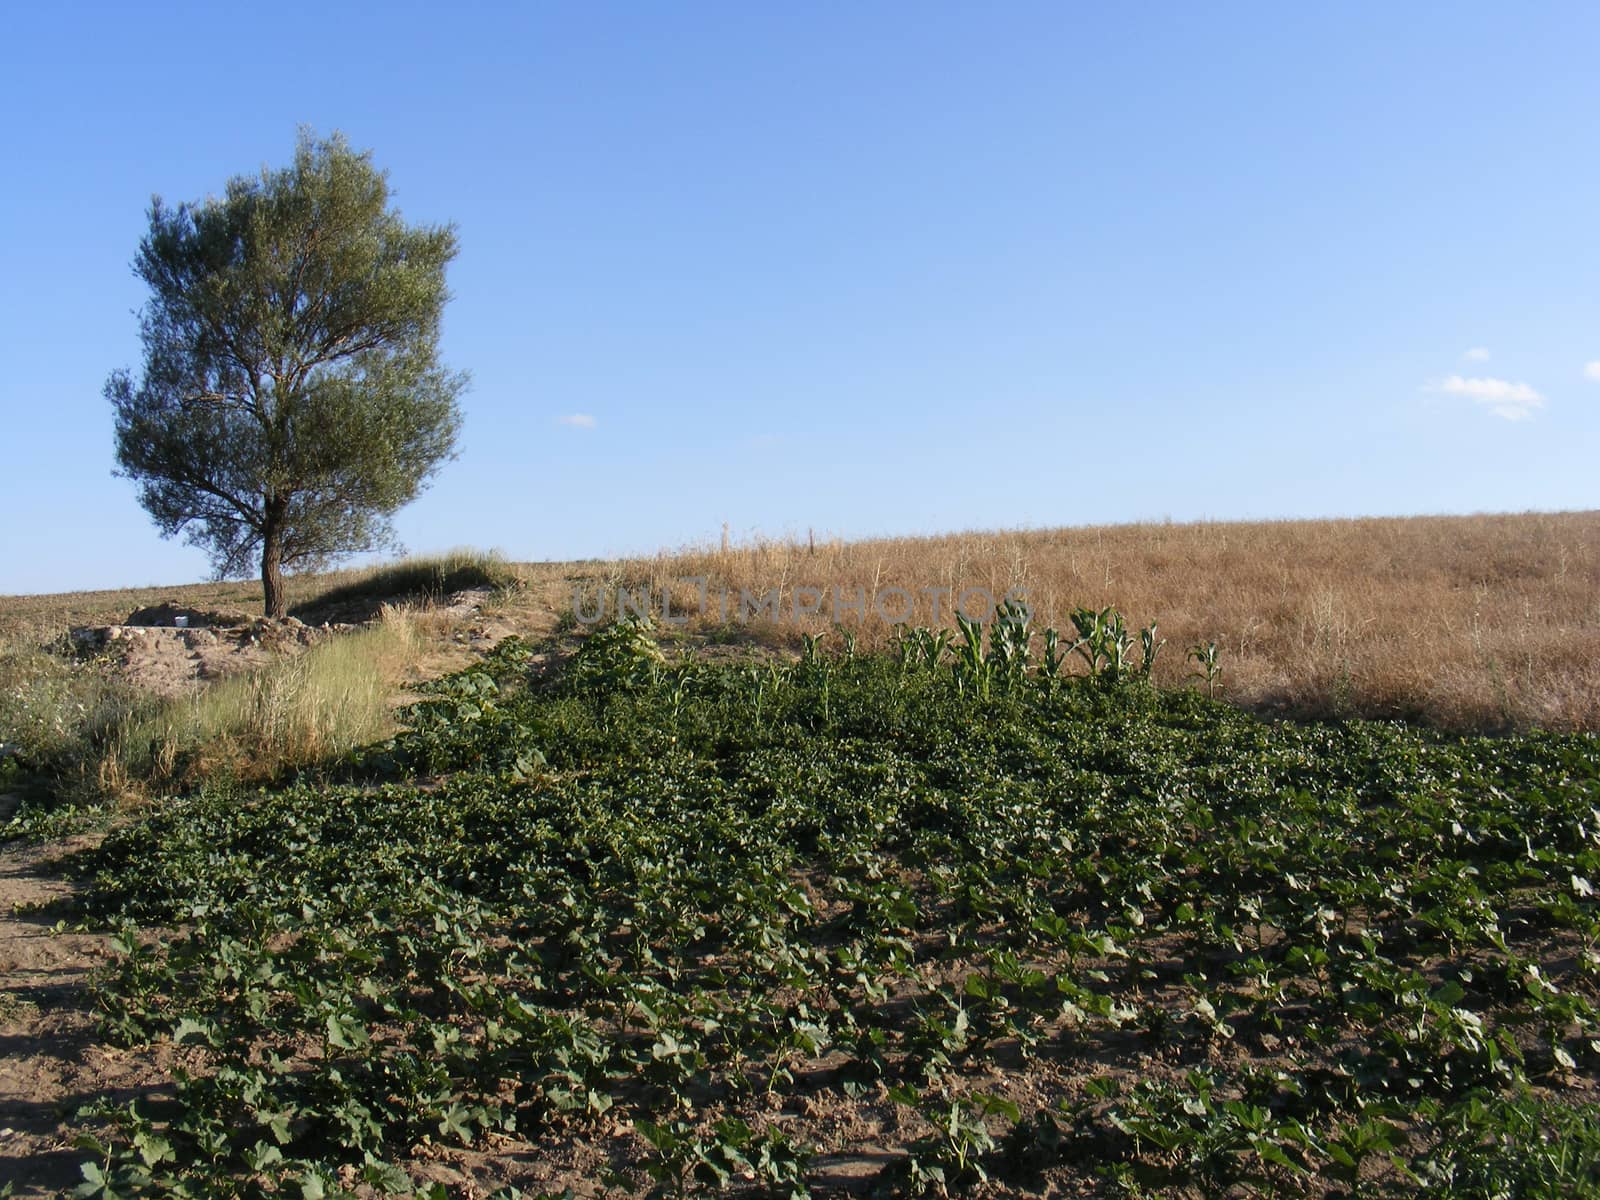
(881, 268)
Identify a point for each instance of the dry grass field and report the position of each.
(1476, 622)
(1483, 623)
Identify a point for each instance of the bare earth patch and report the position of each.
(51, 1062)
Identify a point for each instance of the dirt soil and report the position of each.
(50, 1062)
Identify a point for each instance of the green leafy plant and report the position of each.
(974, 670)
(1205, 656)
(684, 899)
(952, 1156)
(1106, 644)
(620, 656)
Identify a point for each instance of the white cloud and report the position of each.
(1591, 370)
(1502, 397)
(577, 420)
(1477, 354)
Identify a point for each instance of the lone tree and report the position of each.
(292, 397)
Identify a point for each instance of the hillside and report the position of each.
(1479, 622)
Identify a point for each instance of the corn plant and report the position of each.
(974, 670)
(1055, 655)
(922, 647)
(1009, 640)
(1205, 655)
(1148, 647)
(810, 652)
(765, 682)
(1106, 645)
(1103, 642)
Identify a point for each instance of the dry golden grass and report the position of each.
(1477, 622)
(95, 727)
(298, 710)
(83, 730)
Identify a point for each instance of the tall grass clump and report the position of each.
(426, 578)
(52, 707)
(296, 711)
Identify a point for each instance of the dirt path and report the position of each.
(50, 1063)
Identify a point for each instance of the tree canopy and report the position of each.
(292, 397)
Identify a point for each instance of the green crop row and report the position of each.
(705, 919)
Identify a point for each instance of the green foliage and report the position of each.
(974, 671)
(1010, 643)
(291, 397)
(1207, 658)
(1133, 938)
(1522, 1147)
(952, 1155)
(1106, 645)
(922, 648)
(621, 656)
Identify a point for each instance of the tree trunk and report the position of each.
(277, 602)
